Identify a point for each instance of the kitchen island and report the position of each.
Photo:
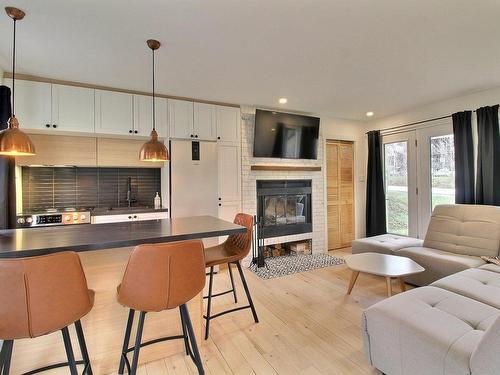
(104, 250)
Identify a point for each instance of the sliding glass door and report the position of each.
(419, 174)
(436, 171)
(400, 183)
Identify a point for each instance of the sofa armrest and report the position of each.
(485, 359)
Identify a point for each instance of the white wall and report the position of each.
(470, 101)
(346, 130)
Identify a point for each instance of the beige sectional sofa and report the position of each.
(456, 238)
(452, 326)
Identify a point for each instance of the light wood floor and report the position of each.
(308, 325)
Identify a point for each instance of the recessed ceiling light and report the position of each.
(283, 100)
(369, 114)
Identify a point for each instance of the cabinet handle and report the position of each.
(135, 216)
(191, 136)
(130, 131)
(218, 137)
(196, 136)
(220, 204)
(47, 125)
(130, 217)
(54, 126)
(135, 131)
(220, 198)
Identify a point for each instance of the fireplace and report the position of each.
(284, 207)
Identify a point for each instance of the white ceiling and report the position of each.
(338, 58)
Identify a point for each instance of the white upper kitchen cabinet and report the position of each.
(114, 113)
(228, 124)
(72, 108)
(229, 171)
(204, 126)
(32, 104)
(180, 113)
(143, 115)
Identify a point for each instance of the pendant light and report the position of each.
(13, 141)
(154, 150)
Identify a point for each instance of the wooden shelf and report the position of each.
(285, 168)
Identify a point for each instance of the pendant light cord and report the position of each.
(14, 71)
(154, 112)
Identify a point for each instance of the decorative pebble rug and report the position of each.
(290, 264)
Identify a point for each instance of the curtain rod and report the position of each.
(415, 123)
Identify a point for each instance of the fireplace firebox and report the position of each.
(284, 207)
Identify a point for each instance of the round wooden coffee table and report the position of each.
(388, 266)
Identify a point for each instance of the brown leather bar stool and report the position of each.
(234, 249)
(162, 277)
(41, 295)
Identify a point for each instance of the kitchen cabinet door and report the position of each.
(228, 124)
(227, 211)
(33, 104)
(114, 113)
(152, 215)
(143, 115)
(180, 114)
(229, 171)
(204, 126)
(102, 219)
(73, 108)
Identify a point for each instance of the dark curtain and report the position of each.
(375, 195)
(464, 157)
(488, 156)
(7, 169)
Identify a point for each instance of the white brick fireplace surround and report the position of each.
(249, 178)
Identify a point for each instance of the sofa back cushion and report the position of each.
(465, 229)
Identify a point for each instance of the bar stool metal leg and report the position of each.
(209, 306)
(137, 347)
(5, 356)
(83, 348)
(69, 351)
(232, 282)
(126, 341)
(192, 338)
(245, 286)
(184, 334)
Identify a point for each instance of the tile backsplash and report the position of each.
(57, 187)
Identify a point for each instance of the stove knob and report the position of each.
(67, 218)
(83, 217)
(20, 220)
(29, 220)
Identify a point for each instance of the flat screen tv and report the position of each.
(285, 135)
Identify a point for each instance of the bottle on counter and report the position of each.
(157, 201)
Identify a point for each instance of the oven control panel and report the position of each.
(49, 219)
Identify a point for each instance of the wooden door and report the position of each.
(73, 108)
(340, 193)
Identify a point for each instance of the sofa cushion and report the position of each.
(476, 283)
(425, 331)
(383, 244)
(464, 229)
(437, 263)
(490, 267)
(485, 359)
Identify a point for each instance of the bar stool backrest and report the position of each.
(40, 295)
(241, 243)
(163, 276)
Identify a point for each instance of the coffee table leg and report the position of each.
(403, 285)
(354, 277)
(388, 281)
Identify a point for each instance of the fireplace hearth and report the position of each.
(284, 207)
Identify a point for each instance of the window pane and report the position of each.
(396, 187)
(442, 170)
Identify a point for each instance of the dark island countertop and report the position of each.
(15, 243)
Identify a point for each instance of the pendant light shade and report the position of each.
(154, 150)
(13, 141)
